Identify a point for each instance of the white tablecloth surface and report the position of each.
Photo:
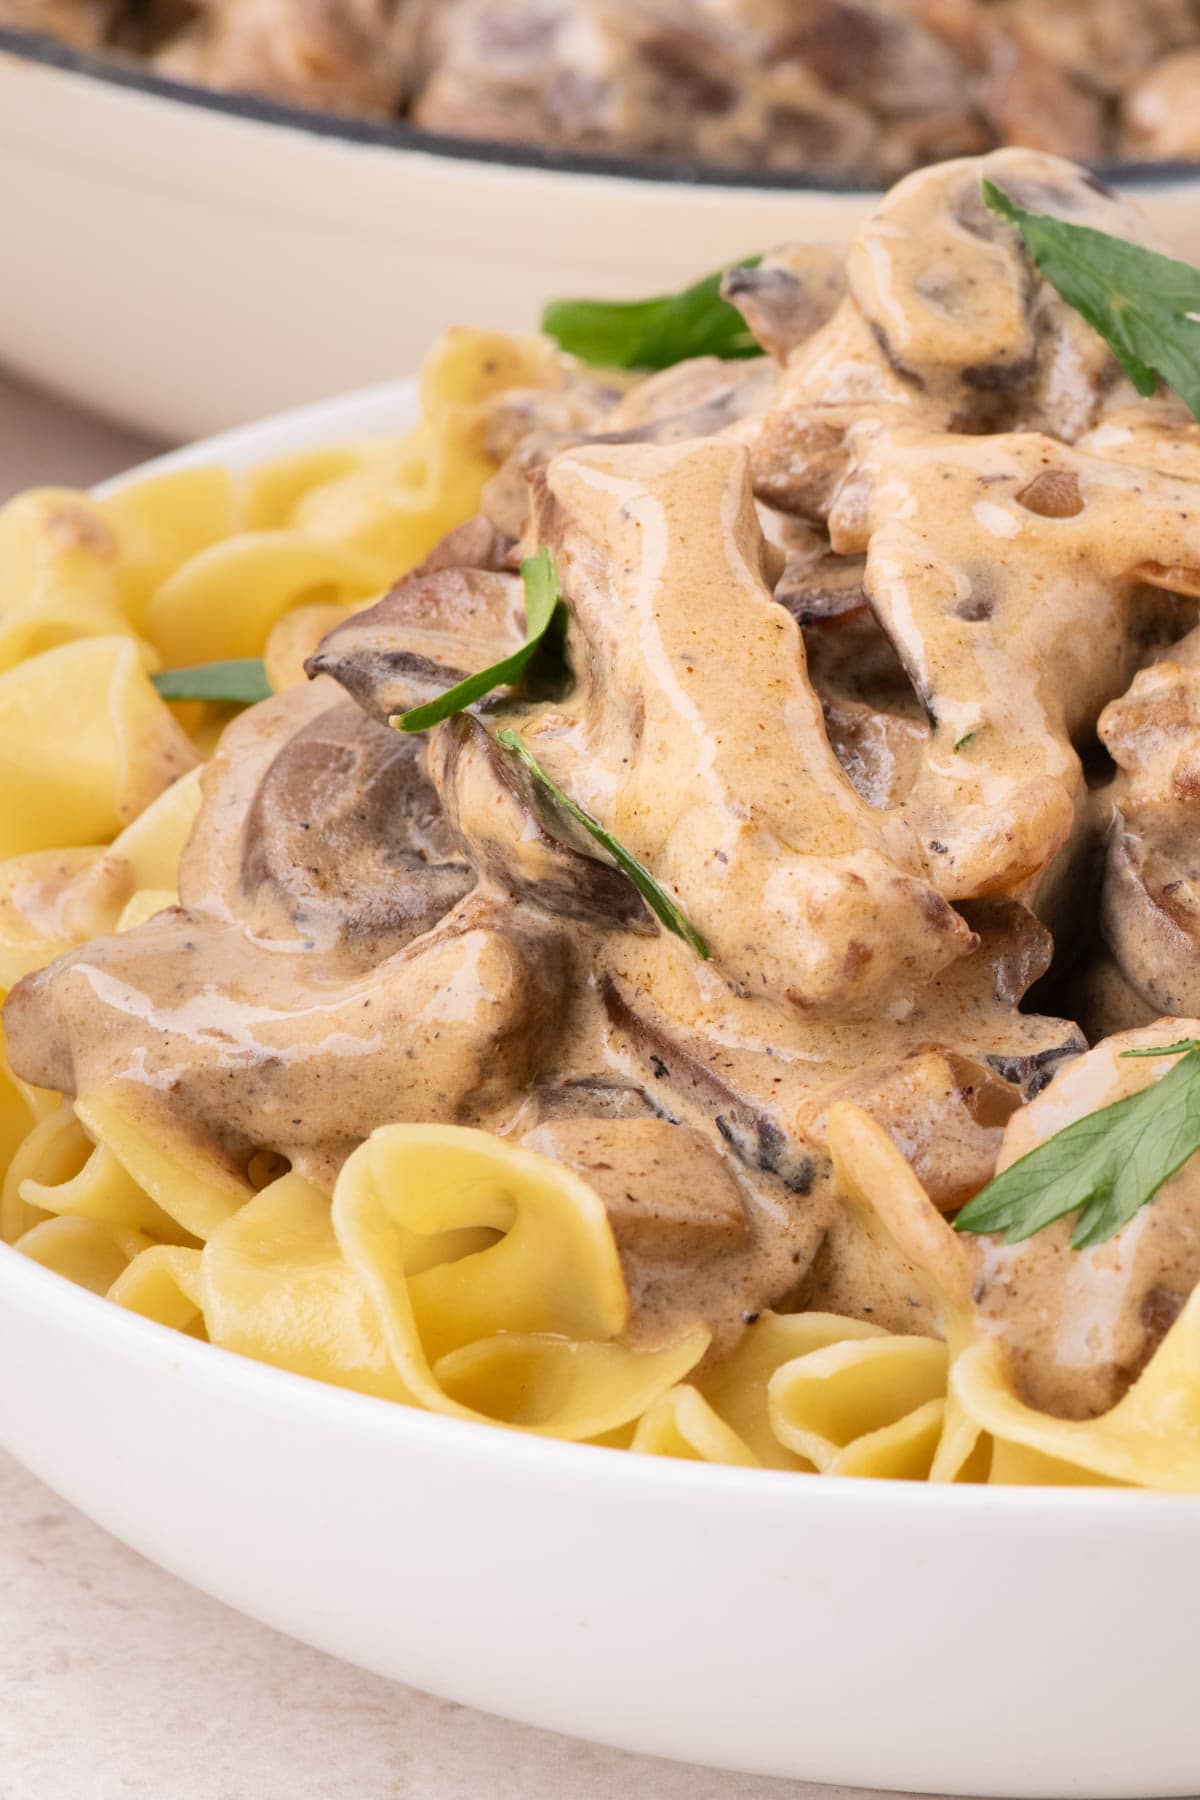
(117, 1682)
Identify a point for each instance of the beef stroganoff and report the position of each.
(606, 987)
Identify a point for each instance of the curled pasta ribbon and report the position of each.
(62, 574)
(85, 746)
(520, 1329)
(403, 497)
(21, 1109)
(274, 1285)
(682, 1424)
(866, 1406)
(163, 521)
(49, 1156)
(92, 1255)
(224, 602)
(191, 1192)
(1150, 1438)
(51, 900)
(810, 1392)
(163, 1283)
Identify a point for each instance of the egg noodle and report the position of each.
(450, 1269)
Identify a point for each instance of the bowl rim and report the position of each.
(35, 47)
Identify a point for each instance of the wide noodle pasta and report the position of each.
(449, 1269)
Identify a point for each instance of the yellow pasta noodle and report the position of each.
(224, 602)
(161, 522)
(92, 1255)
(523, 1330)
(62, 574)
(162, 1282)
(51, 900)
(85, 746)
(189, 1187)
(682, 1424)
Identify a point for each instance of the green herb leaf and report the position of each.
(1143, 304)
(241, 682)
(543, 597)
(657, 899)
(1165, 1049)
(654, 334)
(1105, 1167)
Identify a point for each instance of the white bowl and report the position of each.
(183, 261)
(974, 1640)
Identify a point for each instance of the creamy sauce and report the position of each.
(840, 628)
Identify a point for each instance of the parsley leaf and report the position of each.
(543, 600)
(241, 682)
(1105, 1166)
(657, 333)
(1143, 304)
(657, 899)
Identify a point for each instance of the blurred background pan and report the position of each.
(182, 261)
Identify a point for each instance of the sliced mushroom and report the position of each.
(321, 829)
(944, 325)
(427, 634)
(476, 544)
(755, 1135)
(1150, 911)
(666, 1192)
(789, 295)
(256, 1046)
(515, 836)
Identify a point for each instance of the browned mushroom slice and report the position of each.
(697, 398)
(946, 1112)
(426, 635)
(345, 838)
(698, 1238)
(1028, 99)
(876, 724)
(1104, 44)
(516, 838)
(789, 295)
(944, 325)
(696, 735)
(1150, 900)
(476, 544)
(753, 1127)
(666, 1191)
(261, 1047)
(1150, 909)
(591, 1097)
(1104, 1002)
(83, 23)
(817, 586)
(320, 828)
(946, 285)
(880, 752)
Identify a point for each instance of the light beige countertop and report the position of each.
(117, 1682)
